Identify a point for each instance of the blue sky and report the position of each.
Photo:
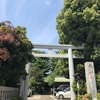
(38, 16)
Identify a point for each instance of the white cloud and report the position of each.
(47, 2)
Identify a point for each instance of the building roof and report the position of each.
(61, 79)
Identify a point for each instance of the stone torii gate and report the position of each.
(70, 57)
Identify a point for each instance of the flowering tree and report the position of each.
(5, 36)
(15, 52)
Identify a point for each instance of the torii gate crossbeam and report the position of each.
(56, 46)
(51, 47)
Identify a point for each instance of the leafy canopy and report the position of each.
(15, 52)
(78, 23)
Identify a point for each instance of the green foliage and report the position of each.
(19, 51)
(77, 53)
(98, 95)
(39, 68)
(74, 86)
(82, 88)
(81, 70)
(60, 69)
(80, 97)
(98, 81)
(96, 54)
(36, 76)
(50, 78)
(47, 69)
(78, 23)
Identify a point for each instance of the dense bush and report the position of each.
(82, 87)
(98, 96)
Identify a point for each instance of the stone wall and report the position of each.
(7, 92)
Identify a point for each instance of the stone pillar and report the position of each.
(71, 72)
(22, 83)
(26, 80)
(90, 79)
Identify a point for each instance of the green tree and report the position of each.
(78, 23)
(15, 52)
(98, 81)
(60, 68)
(38, 71)
(47, 69)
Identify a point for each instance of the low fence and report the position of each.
(7, 92)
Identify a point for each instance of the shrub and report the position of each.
(82, 87)
(98, 96)
(80, 97)
(74, 86)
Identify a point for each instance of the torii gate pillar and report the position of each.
(27, 68)
(71, 72)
